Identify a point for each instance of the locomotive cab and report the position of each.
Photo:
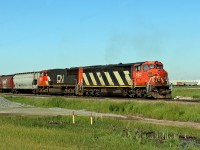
(151, 78)
(155, 74)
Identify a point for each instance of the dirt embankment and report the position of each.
(8, 107)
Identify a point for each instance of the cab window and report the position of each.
(151, 66)
(146, 67)
(137, 68)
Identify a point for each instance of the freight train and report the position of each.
(142, 79)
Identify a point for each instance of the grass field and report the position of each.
(150, 109)
(186, 91)
(27, 133)
(30, 133)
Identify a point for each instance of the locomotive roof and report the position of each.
(109, 65)
(56, 69)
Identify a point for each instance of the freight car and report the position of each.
(142, 79)
(184, 82)
(25, 82)
(6, 83)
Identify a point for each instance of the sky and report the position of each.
(46, 34)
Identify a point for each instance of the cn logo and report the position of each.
(60, 78)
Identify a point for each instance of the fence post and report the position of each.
(73, 118)
(91, 119)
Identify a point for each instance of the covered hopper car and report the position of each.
(25, 82)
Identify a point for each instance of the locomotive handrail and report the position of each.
(149, 85)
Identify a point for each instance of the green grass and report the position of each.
(159, 110)
(59, 132)
(187, 91)
(150, 109)
(27, 133)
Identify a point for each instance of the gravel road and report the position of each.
(4, 103)
(8, 107)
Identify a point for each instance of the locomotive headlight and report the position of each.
(150, 74)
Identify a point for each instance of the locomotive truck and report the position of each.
(141, 79)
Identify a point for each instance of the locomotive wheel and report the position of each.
(125, 93)
(91, 92)
(86, 93)
(97, 93)
(131, 93)
(16, 92)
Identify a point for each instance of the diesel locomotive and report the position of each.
(142, 79)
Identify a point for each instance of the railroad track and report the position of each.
(104, 98)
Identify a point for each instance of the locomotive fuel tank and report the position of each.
(111, 92)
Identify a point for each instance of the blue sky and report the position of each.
(47, 34)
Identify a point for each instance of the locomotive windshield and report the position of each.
(151, 66)
(147, 67)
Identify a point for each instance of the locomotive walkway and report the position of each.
(11, 108)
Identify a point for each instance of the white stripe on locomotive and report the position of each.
(100, 78)
(85, 79)
(93, 79)
(118, 77)
(110, 81)
(128, 78)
